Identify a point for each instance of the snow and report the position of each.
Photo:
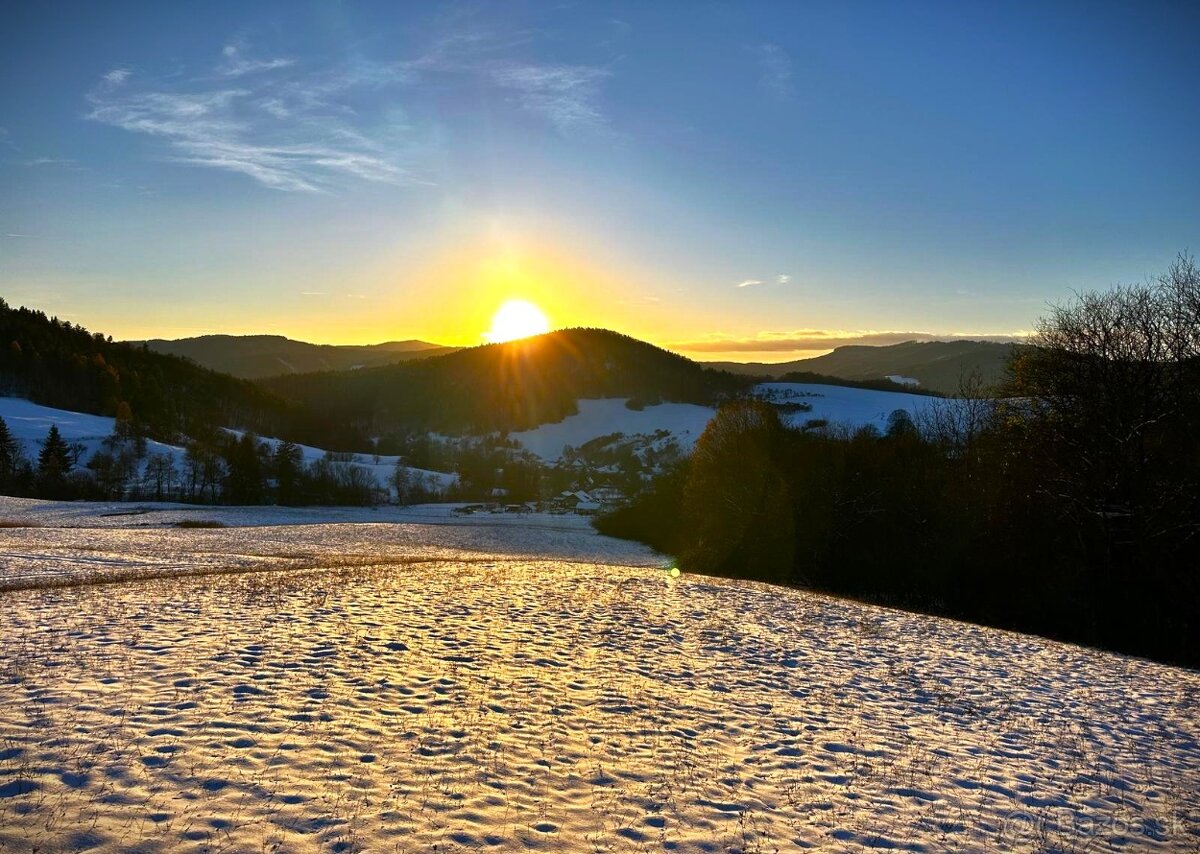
(902, 380)
(596, 417)
(28, 422)
(601, 417)
(61, 542)
(382, 470)
(852, 407)
(437, 684)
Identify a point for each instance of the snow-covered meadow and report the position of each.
(844, 406)
(835, 405)
(370, 680)
(29, 422)
(681, 422)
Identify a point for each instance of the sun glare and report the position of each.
(517, 318)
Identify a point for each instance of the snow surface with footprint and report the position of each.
(422, 682)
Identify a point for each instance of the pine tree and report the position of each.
(10, 454)
(245, 480)
(287, 463)
(54, 462)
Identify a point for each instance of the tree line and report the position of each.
(59, 364)
(220, 468)
(1069, 507)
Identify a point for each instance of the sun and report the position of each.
(517, 318)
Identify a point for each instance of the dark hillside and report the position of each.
(60, 364)
(510, 386)
(939, 365)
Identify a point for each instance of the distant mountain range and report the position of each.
(938, 365)
(258, 356)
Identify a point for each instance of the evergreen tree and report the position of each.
(54, 462)
(10, 455)
(287, 464)
(245, 481)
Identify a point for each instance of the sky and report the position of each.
(755, 181)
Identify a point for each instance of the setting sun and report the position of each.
(517, 318)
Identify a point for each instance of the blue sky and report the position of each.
(757, 180)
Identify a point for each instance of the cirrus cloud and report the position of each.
(290, 134)
(293, 127)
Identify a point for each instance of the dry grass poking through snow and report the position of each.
(509, 705)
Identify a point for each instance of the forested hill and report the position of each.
(60, 364)
(938, 365)
(512, 386)
(258, 356)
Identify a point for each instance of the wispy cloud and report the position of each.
(776, 68)
(565, 95)
(286, 134)
(780, 279)
(51, 161)
(292, 127)
(825, 339)
(235, 63)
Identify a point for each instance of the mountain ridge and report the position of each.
(259, 356)
(940, 366)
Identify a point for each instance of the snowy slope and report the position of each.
(28, 422)
(468, 687)
(610, 415)
(382, 469)
(853, 407)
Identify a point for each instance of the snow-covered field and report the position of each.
(28, 422)
(838, 405)
(55, 542)
(435, 684)
(852, 407)
(610, 415)
(841, 405)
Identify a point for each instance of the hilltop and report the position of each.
(506, 387)
(258, 356)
